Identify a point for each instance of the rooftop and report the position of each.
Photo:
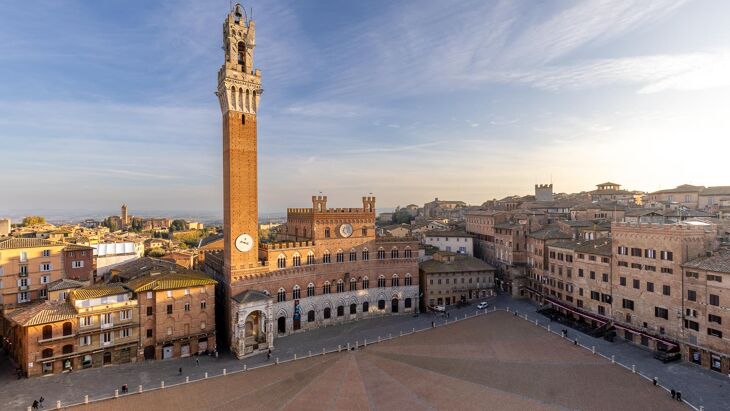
(170, 281)
(461, 263)
(97, 291)
(42, 313)
(684, 188)
(719, 262)
(21, 242)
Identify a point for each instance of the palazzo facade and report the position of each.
(325, 267)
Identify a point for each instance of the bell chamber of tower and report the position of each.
(239, 84)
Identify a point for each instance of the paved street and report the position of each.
(476, 364)
(699, 386)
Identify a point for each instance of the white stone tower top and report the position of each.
(239, 84)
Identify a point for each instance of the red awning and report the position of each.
(576, 311)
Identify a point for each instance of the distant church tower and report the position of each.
(544, 192)
(124, 216)
(239, 91)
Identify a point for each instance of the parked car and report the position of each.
(439, 308)
(667, 356)
(482, 305)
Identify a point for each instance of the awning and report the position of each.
(639, 332)
(576, 311)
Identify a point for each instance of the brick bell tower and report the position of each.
(239, 92)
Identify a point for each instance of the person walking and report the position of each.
(179, 371)
(40, 401)
(197, 361)
(35, 404)
(268, 354)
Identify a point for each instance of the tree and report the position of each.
(178, 225)
(111, 223)
(156, 252)
(402, 216)
(33, 220)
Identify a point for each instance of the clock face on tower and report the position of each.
(345, 230)
(244, 242)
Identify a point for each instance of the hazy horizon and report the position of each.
(113, 103)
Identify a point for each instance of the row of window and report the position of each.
(340, 286)
(281, 261)
(710, 277)
(637, 266)
(646, 253)
(636, 283)
(463, 280)
(169, 308)
(105, 318)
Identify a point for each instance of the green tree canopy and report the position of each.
(402, 216)
(34, 219)
(178, 225)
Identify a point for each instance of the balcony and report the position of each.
(23, 274)
(23, 288)
(104, 326)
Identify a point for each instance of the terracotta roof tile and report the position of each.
(42, 313)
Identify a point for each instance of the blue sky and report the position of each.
(110, 102)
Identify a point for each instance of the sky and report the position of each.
(109, 102)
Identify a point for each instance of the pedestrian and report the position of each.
(197, 361)
(654, 381)
(679, 396)
(125, 389)
(268, 354)
(433, 324)
(674, 393)
(35, 404)
(40, 401)
(179, 371)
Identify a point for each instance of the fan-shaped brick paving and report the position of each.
(494, 362)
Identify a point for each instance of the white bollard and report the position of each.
(244, 367)
(633, 368)
(536, 321)
(593, 349)
(162, 384)
(401, 333)
(339, 347)
(277, 361)
(507, 309)
(86, 399)
(187, 379)
(365, 343)
(295, 357)
(548, 327)
(348, 346)
(116, 393)
(613, 360)
(30, 408)
(58, 404)
(224, 371)
(310, 353)
(356, 344)
(140, 388)
(323, 351)
(206, 373)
